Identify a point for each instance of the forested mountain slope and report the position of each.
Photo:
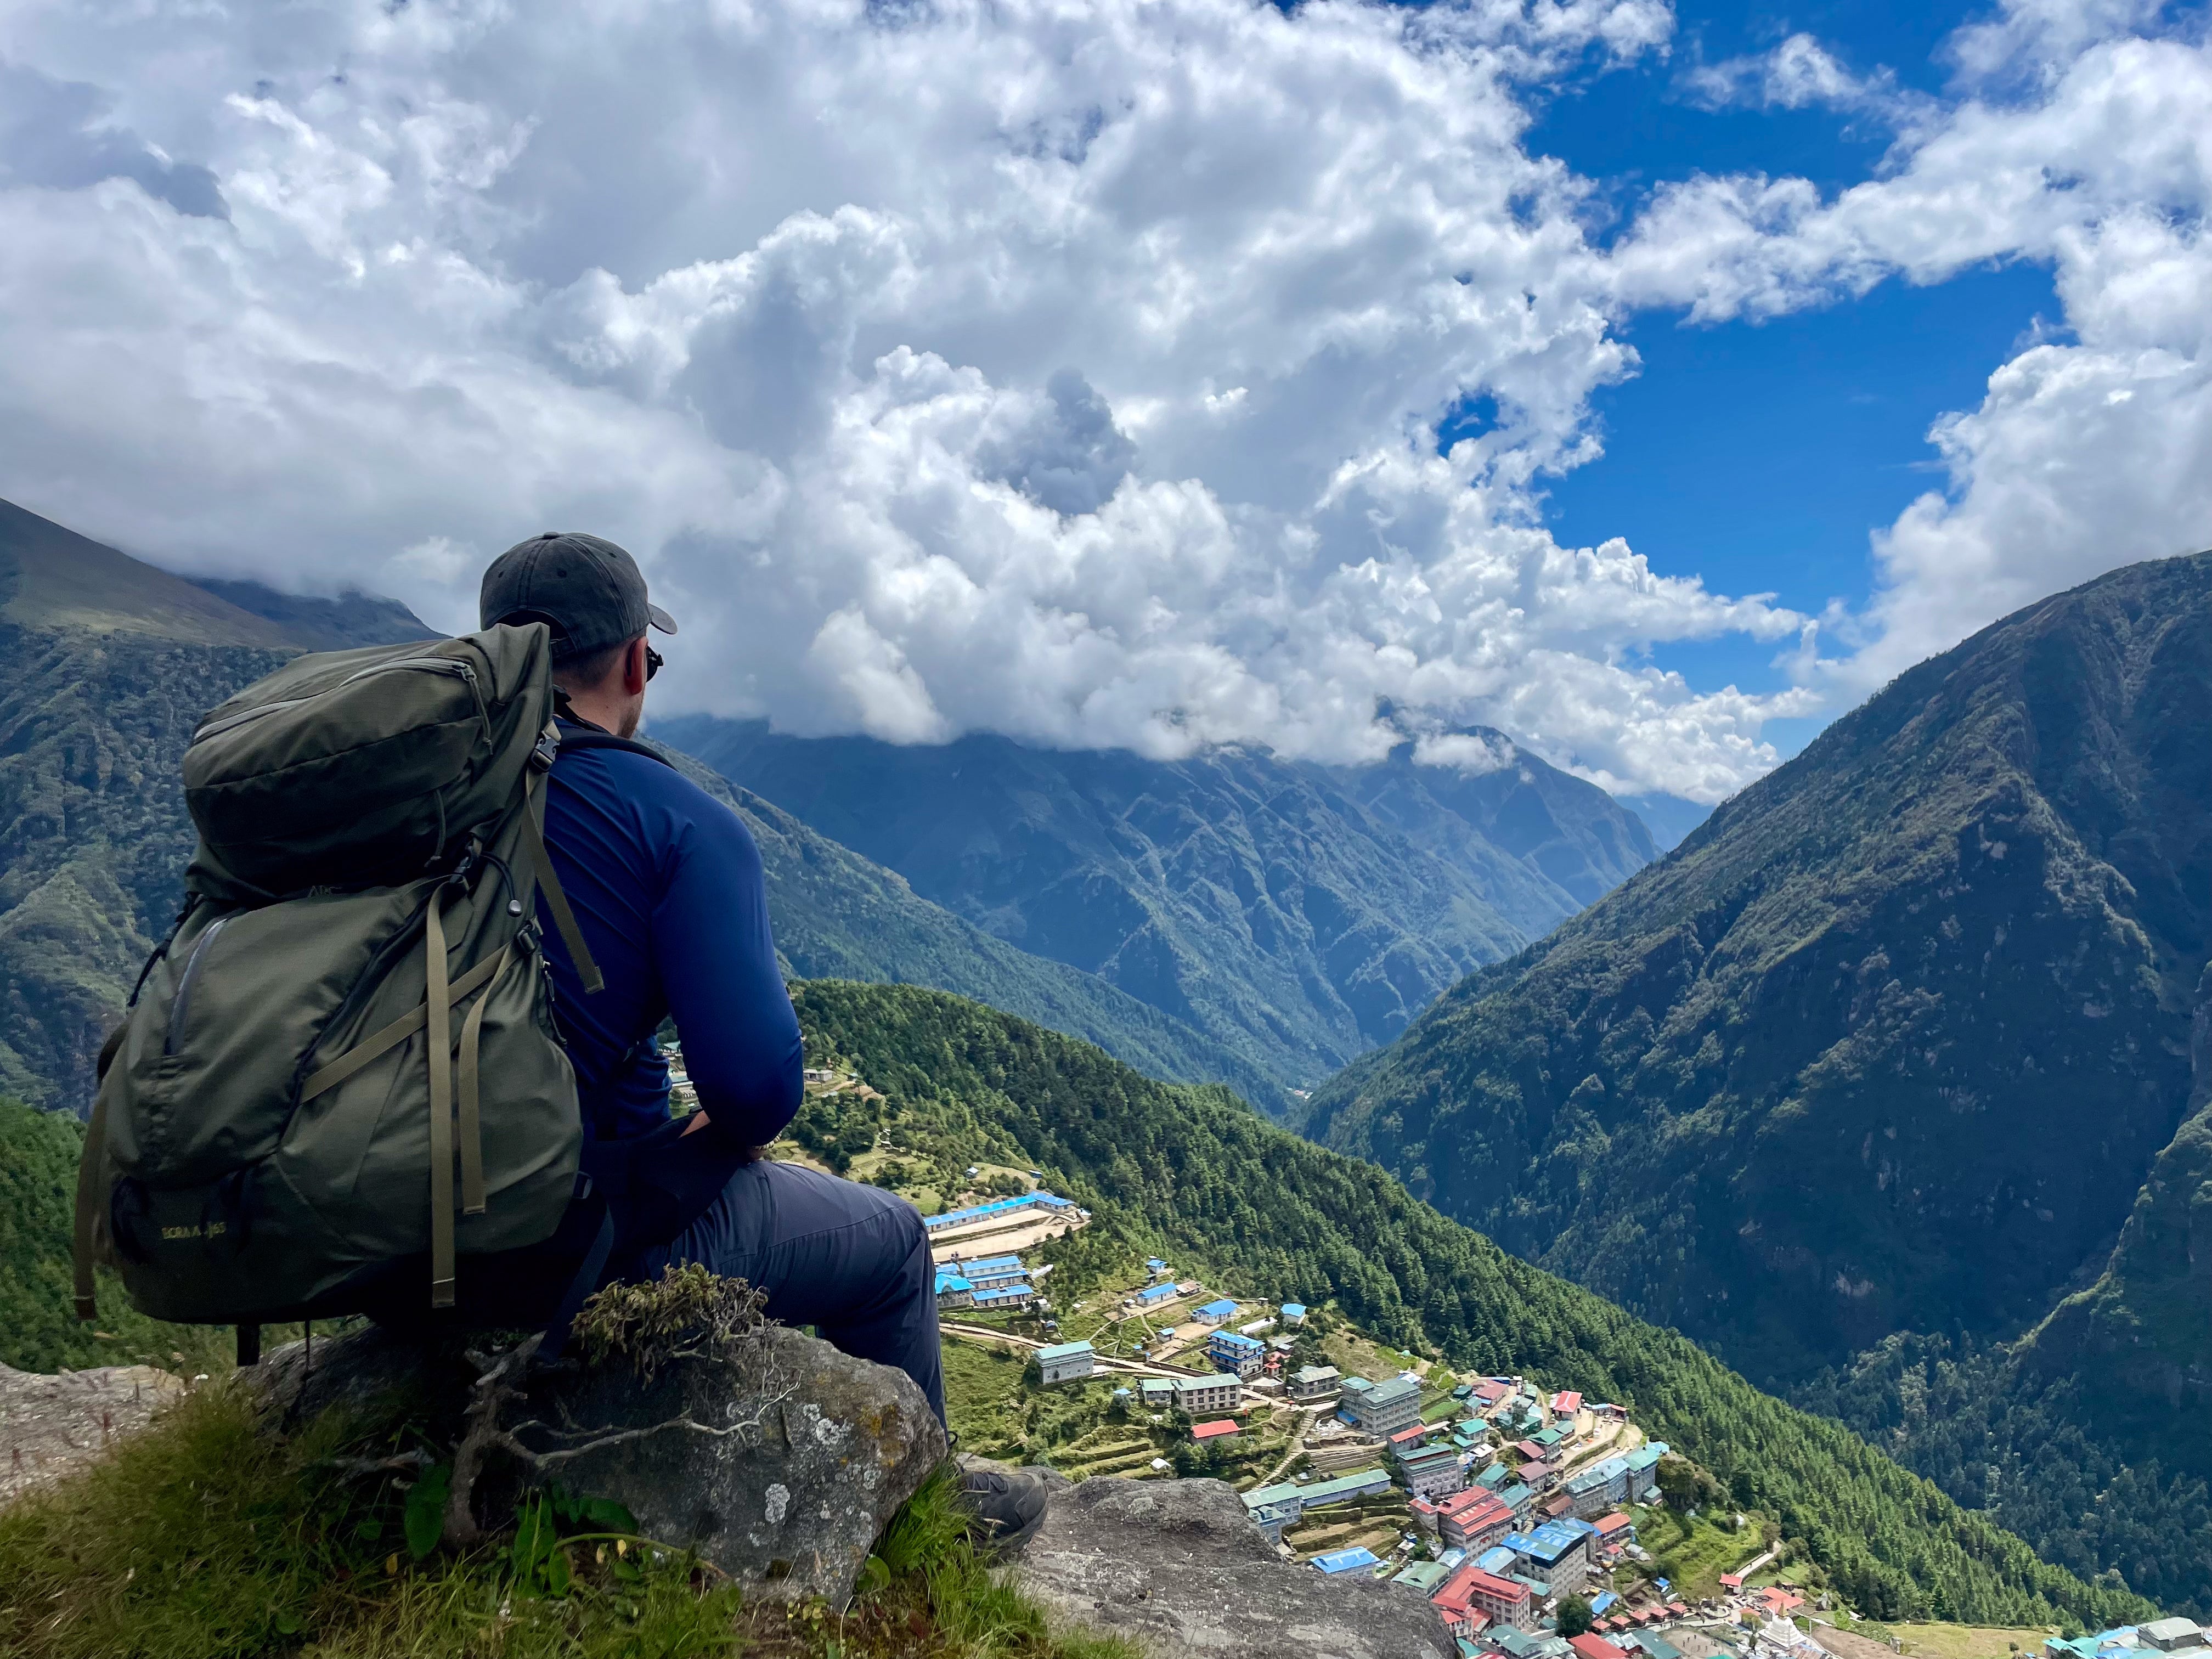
(2092, 1436)
(1193, 1171)
(1299, 914)
(1886, 1065)
(1890, 1041)
(38, 1328)
(1196, 1170)
(106, 665)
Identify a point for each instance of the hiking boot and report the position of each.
(1005, 1506)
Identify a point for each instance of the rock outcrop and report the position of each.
(50, 1425)
(779, 1458)
(781, 1468)
(1179, 1567)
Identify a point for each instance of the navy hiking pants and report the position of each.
(851, 1260)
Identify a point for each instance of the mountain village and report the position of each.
(1496, 1500)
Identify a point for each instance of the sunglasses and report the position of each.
(653, 660)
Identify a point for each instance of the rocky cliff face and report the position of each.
(1177, 1565)
(51, 1425)
(2145, 1327)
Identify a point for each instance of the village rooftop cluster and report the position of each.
(1501, 1500)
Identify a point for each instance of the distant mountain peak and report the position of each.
(53, 579)
(1295, 912)
(352, 618)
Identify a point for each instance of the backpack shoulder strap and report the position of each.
(564, 918)
(533, 835)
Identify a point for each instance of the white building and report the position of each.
(1066, 1362)
(1218, 1393)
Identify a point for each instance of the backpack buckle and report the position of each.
(547, 746)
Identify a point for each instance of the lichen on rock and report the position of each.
(776, 1457)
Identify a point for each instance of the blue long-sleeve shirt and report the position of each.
(668, 891)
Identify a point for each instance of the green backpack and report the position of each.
(344, 1058)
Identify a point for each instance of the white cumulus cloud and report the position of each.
(2078, 135)
(1066, 369)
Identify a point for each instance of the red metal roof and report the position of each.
(1566, 1401)
(1458, 1591)
(1461, 1504)
(1213, 1431)
(1612, 1523)
(1594, 1647)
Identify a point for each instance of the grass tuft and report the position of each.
(211, 1536)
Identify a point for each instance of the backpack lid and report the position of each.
(353, 769)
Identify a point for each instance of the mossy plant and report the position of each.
(687, 1312)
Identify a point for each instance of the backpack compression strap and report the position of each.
(435, 1017)
(87, 1179)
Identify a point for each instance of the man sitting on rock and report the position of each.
(667, 886)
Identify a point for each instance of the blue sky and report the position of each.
(1760, 455)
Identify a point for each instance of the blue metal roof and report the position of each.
(1224, 1307)
(977, 1212)
(1350, 1560)
(1550, 1541)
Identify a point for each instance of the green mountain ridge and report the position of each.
(1297, 914)
(1878, 1083)
(110, 664)
(1194, 1170)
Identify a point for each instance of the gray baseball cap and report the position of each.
(588, 590)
